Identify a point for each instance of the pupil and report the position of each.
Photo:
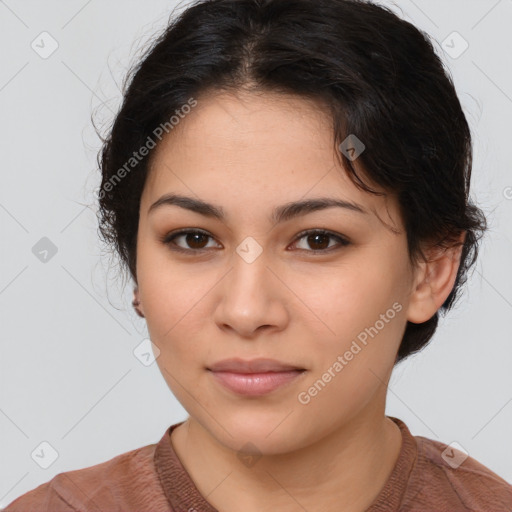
(316, 236)
(194, 237)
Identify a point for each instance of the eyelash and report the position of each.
(169, 238)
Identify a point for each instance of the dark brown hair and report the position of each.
(379, 77)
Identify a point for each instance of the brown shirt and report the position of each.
(152, 478)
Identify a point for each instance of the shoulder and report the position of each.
(124, 482)
(444, 475)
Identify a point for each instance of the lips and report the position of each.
(260, 365)
(254, 377)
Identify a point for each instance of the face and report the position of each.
(250, 285)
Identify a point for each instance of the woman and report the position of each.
(287, 183)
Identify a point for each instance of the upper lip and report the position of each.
(259, 365)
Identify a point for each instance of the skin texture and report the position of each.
(249, 153)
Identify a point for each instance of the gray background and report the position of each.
(68, 374)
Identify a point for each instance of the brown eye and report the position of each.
(318, 240)
(195, 241)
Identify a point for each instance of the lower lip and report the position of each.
(256, 384)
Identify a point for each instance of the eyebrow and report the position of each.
(279, 214)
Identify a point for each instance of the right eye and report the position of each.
(195, 239)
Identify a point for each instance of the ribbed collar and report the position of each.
(182, 493)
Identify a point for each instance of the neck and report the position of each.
(344, 470)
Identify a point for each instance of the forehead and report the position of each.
(240, 125)
(248, 148)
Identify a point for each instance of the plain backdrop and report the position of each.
(68, 373)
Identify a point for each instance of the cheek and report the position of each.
(351, 370)
(362, 318)
(163, 288)
(346, 300)
(177, 311)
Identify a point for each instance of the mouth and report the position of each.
(254, 377)
(259, 365)
(256, 384)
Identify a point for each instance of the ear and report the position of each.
(434, 281)
(136, 303)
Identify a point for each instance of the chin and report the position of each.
(263, 434)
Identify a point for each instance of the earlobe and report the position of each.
(434, 282)
(137, 305)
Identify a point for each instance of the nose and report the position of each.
(251, 299)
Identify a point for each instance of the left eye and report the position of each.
(318, 237)
(196, 240)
